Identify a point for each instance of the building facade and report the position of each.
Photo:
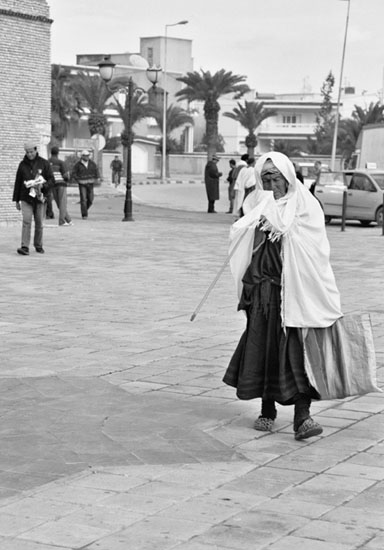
(25, 111)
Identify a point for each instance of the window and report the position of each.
(361, 183)
(291, 120)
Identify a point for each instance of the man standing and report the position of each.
(60, 186)
(33, 180)
(85, 173)
(211, 178)
(116, 167)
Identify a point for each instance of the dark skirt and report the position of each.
(267, 362)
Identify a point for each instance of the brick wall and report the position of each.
(25, 89)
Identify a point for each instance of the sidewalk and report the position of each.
(116, 430)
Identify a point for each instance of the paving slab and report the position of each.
(116, 429)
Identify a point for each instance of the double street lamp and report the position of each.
(106, 68)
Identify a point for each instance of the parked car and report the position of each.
(364, 195)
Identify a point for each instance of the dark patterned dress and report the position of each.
(267, 362)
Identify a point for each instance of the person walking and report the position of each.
(116, 167)
(317, 174)
(280, 262)
(59, 189)
(242, 163)
(85, 173)
(245, 184)
(232, 167)
(33, 180)
(211, 179)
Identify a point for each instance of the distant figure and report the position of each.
(85, 173)
(116, 167)
(245, 184)
(211, 179)
(298, 172)
(242, 163)
(317, 170)
(231, 197)
(59, 189)
(33, 180)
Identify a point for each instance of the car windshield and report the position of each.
(331, 178)
(379, 179)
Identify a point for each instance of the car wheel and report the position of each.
(327, 219)
(379, 216)
(365, 223)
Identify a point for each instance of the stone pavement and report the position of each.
(116, 430)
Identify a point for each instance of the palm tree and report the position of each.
(176, 118)
(350, 128)
(207, 87)
(372, 115)
(93, 93)
(250, 116)
(63, 103)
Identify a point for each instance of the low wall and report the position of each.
(193, 164)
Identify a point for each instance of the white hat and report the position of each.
(85, 153)
(31, 144)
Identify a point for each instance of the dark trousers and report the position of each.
(48, 205)
(86, 198)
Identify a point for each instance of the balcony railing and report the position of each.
(280, 127)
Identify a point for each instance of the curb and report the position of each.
(162, 182)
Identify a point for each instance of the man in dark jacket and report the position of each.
(33, 180)
(211, 179)
(60, 186)
(85, 173)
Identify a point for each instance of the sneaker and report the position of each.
(308, 428)
(263, 424)
(24, 251)
(66, 224)
(40, 250)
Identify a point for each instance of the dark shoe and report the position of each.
(85, 217)
(309, 428)
(40, 250)
(24, 251)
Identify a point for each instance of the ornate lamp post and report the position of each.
(154, 94)
(106, 68)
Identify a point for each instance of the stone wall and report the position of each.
(25, 102)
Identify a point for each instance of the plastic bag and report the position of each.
(340, 360)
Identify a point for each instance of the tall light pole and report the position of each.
(164, 148)
(335, 132)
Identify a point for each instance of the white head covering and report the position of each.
(309, 294)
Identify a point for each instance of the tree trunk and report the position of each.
(211, 113)
(250, 143)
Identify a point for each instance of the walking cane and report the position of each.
(211, 286)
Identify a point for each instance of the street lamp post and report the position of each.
(106, 68)
(334, 142)
(164, 148)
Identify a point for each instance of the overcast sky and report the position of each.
(277, 44)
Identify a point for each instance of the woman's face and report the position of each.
(273, 180)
